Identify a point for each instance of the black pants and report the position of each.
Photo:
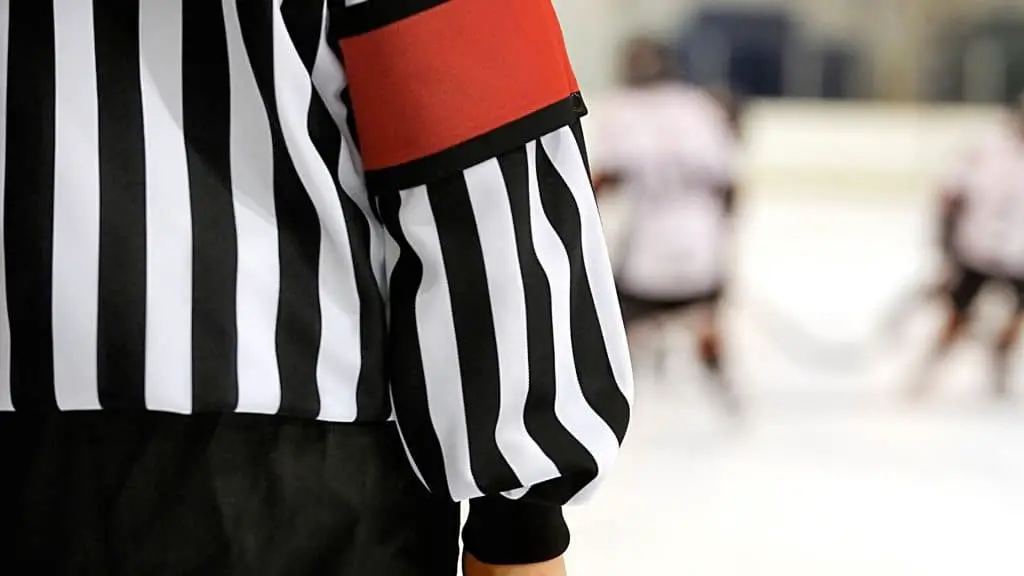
(638, 308)
(101, 494)
(969, 283)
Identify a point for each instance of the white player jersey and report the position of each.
(673, 147)
(990, 233)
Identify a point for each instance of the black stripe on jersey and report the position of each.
(206, 98)
(405, 357)
(121, 313)
(477, 150)
(463, 258)
(304, 21)
(347, 21)
(350, 118)
(568, 453)
(373, 403)
(593, 367)
(577, 134)
(28, 202)
(371, 388)
(298, 316)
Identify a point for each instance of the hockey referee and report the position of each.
(283, 281)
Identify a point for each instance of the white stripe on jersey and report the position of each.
(258, 287)
(168, 213)
(76, 211)
(5, 323)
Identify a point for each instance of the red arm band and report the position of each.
(455, 72)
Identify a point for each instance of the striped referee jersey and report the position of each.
(349, 211)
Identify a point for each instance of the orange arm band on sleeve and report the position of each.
(453, 73)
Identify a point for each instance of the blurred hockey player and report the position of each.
(939, 288)
(669, 148)
(983, 240)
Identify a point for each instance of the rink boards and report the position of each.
(850, 148)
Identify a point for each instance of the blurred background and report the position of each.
(854, 110)
(910, 50)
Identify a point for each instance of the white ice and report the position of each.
(830, 473)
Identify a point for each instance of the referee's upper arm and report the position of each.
(440, 85)
(509, 366)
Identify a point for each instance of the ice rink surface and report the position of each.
(830, 472)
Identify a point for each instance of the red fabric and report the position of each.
(452, 73)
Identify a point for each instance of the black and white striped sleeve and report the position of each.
(508, 359)
(510, 369)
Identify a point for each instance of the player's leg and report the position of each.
(897, 317)
(952, 213)
(644, 329)
(952, 269)
(1007, 342)
(711, 348)
(962, 294)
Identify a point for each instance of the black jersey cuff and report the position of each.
(511, 532)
